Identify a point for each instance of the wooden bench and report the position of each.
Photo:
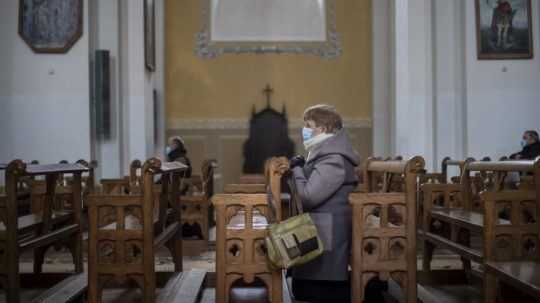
(244, 188)
(512, 249)
(450, 225)
(183, 287)
(124, 249)
(72, 289)
(242, 221)
(252, 179)
(24, 202)
(124, 185)
(64, 194)
(384, 227)
(375, 178)
(38, 231)
(197, 212)
(443, 176)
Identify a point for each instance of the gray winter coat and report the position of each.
(324, 184)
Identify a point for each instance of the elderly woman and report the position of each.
(324, 180)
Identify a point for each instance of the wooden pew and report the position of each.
(38, 231)
(384, 227)
(511, 248)
(197, 211)
(64, 194)
(146, 220)
(245, 188)
(376, 178)
(442, 189)
(242, 221)
(252, 179)
(24, 189)
(124, 185)
(443, 177)
(451, 224)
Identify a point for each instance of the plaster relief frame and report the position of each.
(328, 48)
(50, 26)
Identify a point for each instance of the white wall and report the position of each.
(44, 98)
(500, 105)
(446, 102)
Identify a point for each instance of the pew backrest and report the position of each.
(516, 239)
(386, 246)
(494, 175)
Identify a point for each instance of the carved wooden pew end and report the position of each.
(240, 251)
(53, 225)
(197, 211)
(384, 226)
(126, 230)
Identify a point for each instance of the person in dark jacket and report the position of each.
(176, 152)
(324, 180)
(531, 146)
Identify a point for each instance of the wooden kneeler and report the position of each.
(385, 246)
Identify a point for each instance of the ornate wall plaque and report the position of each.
(269, 26)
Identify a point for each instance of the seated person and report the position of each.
(176, 152)
(531, 147)
(324, 181)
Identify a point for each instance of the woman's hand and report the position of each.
(297, 161)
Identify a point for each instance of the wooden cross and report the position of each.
(268, 91)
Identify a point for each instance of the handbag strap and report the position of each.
(295, 197)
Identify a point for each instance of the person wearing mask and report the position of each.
(531, 146)
(324, 180)
(176, 152)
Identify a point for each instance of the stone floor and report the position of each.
(60, 261)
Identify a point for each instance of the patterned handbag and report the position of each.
(295, 241)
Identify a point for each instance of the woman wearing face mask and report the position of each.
(176, 151)
(324, 180)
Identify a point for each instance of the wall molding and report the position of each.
(219, 124)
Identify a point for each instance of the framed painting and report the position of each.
(50, 26)
(504, 29)
(150, 35)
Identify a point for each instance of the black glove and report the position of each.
(297, 161)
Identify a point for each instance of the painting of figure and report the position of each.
(50, 26)
(504, 29)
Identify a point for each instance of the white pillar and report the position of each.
(137, 85)
(105, 35)
(450, 78)
(414, 117)
(382, 77)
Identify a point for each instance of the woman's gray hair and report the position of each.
(324, 115)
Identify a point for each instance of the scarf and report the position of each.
(313, 143)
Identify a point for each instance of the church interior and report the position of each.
(200, 151)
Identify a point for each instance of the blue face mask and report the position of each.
(307, 133)
(523, 143)
(168, 150)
